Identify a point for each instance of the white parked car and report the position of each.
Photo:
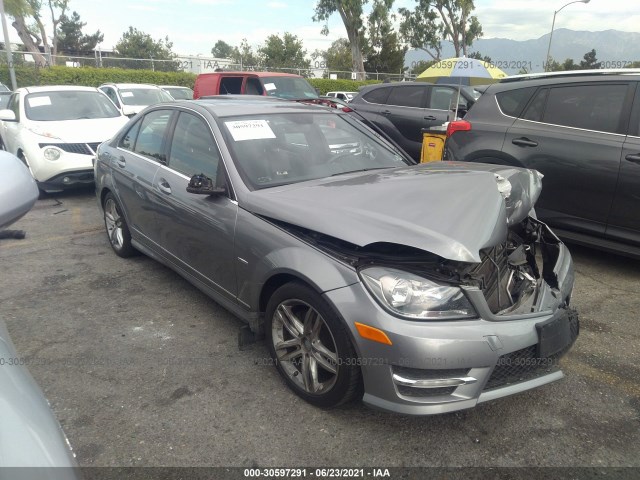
(131, 98)
(344, 96)
(178, 92)
(56, 130)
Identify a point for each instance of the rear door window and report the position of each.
(193, 150)
(590, 107)
(407, 96)
(153, 134)
(377, 95)
(535, 110)
(512, 102)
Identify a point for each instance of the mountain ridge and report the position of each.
(613, 47)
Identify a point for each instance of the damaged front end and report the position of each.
(529, 272)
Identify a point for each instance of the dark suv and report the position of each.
(581, 130)
(403, 109)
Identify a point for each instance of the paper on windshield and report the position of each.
(269, 86)
(38, 101)
(250, 130)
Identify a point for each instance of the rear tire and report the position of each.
(117, 228)
(311, 347)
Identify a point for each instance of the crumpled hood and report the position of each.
(79, 131)
(453, 210)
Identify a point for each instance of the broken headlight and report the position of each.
(414, 297)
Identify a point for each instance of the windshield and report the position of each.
(144, 96)
(68, 105)
(179, 93)
(278, 149)
(288, 87)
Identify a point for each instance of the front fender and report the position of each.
(264, 250)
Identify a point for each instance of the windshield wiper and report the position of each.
(360, 170)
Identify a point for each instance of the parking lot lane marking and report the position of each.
(76, 219)
(574, 366)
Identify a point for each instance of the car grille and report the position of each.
(79, 148)
(524, 364)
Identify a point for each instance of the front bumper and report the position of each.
(437, 367)
(68, 180)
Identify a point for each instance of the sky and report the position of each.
(194, 26)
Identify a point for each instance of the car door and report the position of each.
(197, 231)
(572, 134)
(139, 154)
(624, 220)
(111, 93)
(11, 129)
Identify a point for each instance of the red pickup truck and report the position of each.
(282, 85)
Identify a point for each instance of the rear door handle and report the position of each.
(164, 186)
(385, 112)
(121, 162)
(633, 158)
(524, 142)
(430, 117)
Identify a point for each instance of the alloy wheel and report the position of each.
(113, 222)
(304, 346)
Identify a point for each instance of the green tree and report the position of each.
(338, 56)
(479, 56)
(222, 50)
(351, 13)
(285, 52)
(590, 61)
(72, 41)
(383, 51)
(434, 21)
(634, 65)
(245, 56)
(29, 23)
(137, 44)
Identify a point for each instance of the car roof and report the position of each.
(58, 88)
(130, 85)
(174, 86)
(232, 107)
(254, 74)
(571, 73)
(557, 78)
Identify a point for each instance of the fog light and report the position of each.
(51, 154)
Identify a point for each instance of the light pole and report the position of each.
(553, 24)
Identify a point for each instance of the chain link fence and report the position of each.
(192, 64)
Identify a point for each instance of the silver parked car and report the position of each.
(421, 289)
(31, 435)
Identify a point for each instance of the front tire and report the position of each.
(311, 347)
(117, 228)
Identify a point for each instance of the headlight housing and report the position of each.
(416, 298)
(51, 154)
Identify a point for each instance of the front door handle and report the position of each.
(121, 162)
(164, 186)
(430, 117)
(385, 112)
(633, 158)
(524, 142)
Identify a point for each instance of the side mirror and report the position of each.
(7, 115)
(200, 184)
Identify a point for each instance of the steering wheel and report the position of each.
(338, 157)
